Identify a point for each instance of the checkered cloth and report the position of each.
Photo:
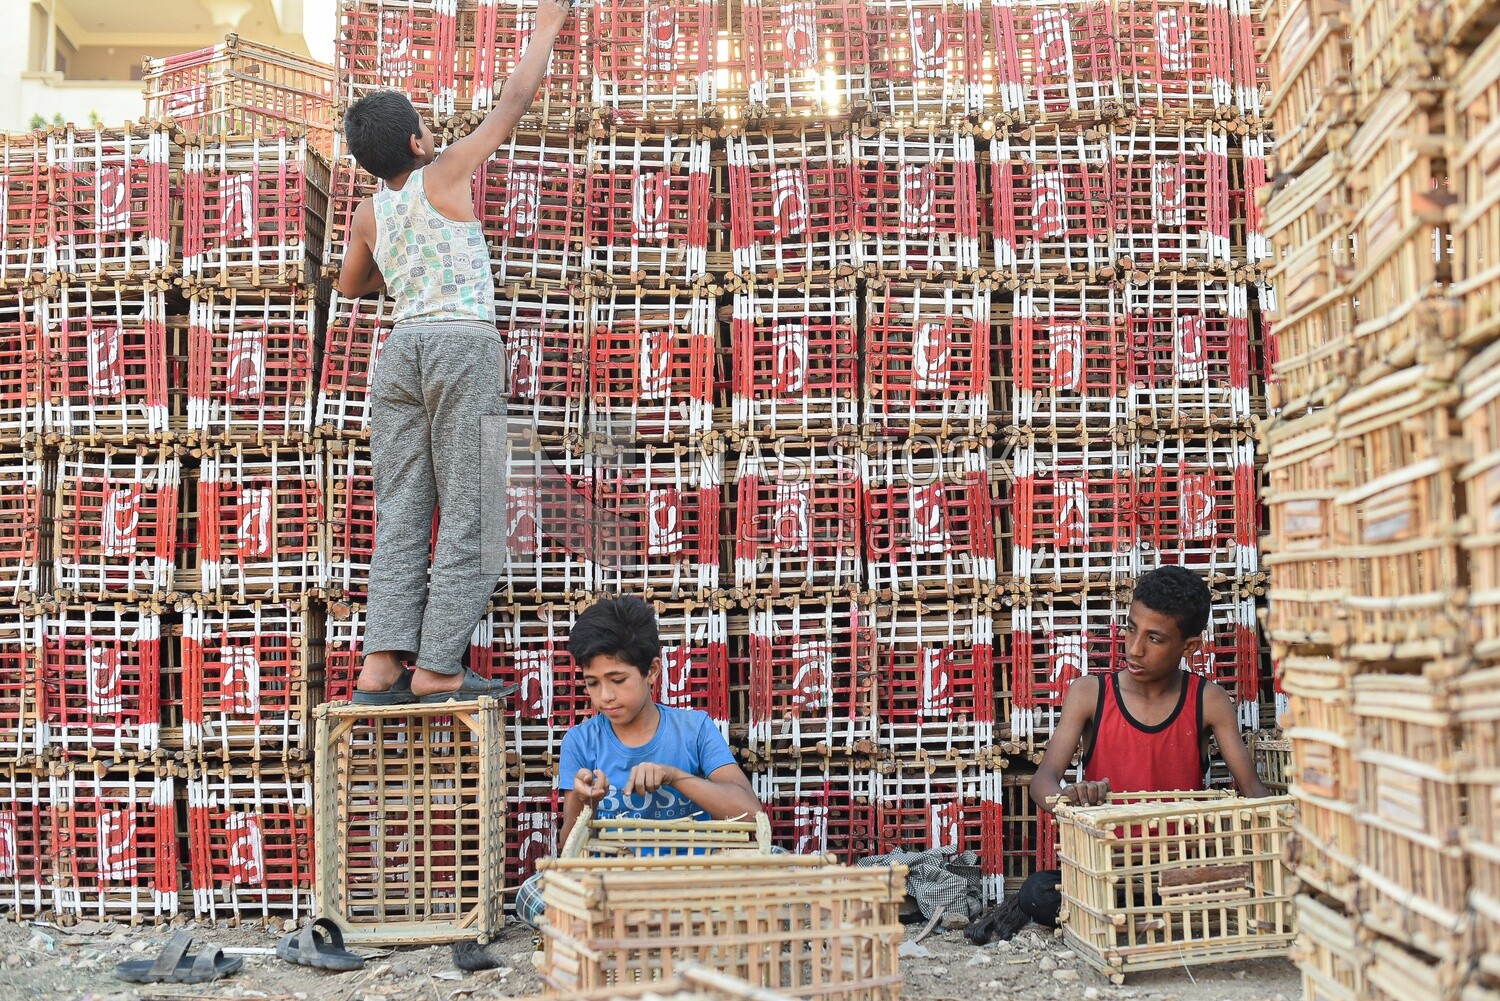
(944, 877)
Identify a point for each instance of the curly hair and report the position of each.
(622, 627)
(1178, 592)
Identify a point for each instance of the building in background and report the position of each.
(82, 58)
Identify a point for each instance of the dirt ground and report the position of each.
(41, 963)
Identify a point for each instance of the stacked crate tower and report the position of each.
(1382, 211)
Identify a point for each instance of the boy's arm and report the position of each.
(725, 793)
(1220, 719)
(589, 787)
(454, 170)
(1077, 713)
(359, 276)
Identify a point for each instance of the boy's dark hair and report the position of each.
(379, 127)
(1176, 591)
(617, 627)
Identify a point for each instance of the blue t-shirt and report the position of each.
(685, 738)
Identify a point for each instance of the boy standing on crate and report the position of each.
(440, 375)
(1144, 729)
(636, 757)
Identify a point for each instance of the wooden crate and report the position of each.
(1307, 64)
(1325, 849)
(691, 982)
(1479, 417)
(1397, 527)
(634, 837)
(1474, 124)
(1412, 868)
(1161, 884)
(410, 817)
(1272, 753)
(612, 920)
(1329, 951)
(1398, 974)
(1302, 481)
(1479, 718)
(1392, 41)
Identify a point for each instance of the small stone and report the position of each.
(300, 995)
(1046, 964)
(64, 962)
(993, 984)
(1091, 994)
(938, 971)
(1067, 955)
(955, 920)
(979, 959)
(1065, 975)
(1003, 946)
(139, 947)
(1279, 997)
(383, 970)
(911, 950)
(290, 924)
(14, 960)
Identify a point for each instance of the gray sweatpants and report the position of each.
(434, 385)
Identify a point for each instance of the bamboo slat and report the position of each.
(1479, 416)
(1330, 953)
(1479, 728)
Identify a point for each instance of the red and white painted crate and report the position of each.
(349, 533)
(1056, 60)
(1074, 510)
(662, 524)
(1248, 45)
(405, 45)
(357, 329)
(115, 834)
(21, 377)
(819, 807)
(253, 674)
(553, 522)
(25, 209)
(532, 753)
(253, 211)
(796, 362)
(916, 203)
(811, 687)
(1171, 196)
(528, 196)
(1230, 656)
(653, 60)
(260, 522)
(1175, 58)
(244, 87)
(1068, 351)
(100, 677)
(807, 57)
(502, 31)
(250, 841)
(935, 682)
(790, 189)
(348, 185)
(104, 363)
(919, 808)
(115, 528)
(546, 333)
(646, 215)
(343, 649)
(1052, 206)
(1028, 835)
(21, 728)
(250, 364)
(1192, 356)
(929, 525)
(1055, 640)
(1197, 502)
(111, 205)
(532, 824)
(797, 518)
(1254, 173)
(651, 364)
(928, 59)
(28, 848)
(926, 358)
(28, 491)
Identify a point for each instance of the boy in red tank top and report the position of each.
(1144, 728)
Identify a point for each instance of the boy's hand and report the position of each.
(591, 785)
(1087, 793)
(648, 776)
(551, 15)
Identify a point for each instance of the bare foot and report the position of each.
(381, 670)
(425, 682)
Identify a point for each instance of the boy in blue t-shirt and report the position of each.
(637, 758)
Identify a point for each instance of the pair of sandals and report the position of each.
(400, 694)
(320, 944)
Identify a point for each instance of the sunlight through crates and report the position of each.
(806, 58)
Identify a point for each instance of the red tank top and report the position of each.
(1136, 758)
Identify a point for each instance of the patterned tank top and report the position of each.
(434, 268)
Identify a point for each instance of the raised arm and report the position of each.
(457, 164)
(1220, 719)
(1077, 714)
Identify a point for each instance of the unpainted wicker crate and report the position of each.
(1392, 41)
(1329, 951)
(1302, 480)
(1161, 884)
(1396, 521)
(1319, 726)
(410, 805)
(1308, 68)
(1272, 753)
(1307, 222)
(1479, 723)
(1398, 181)
(640, 837)
(1326, 846)
(1412, 812)
(1396, 973)
(1311, 350)
(1474, 125)
(757, 917)
(1479, 416)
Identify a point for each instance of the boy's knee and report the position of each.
(1039, 897)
